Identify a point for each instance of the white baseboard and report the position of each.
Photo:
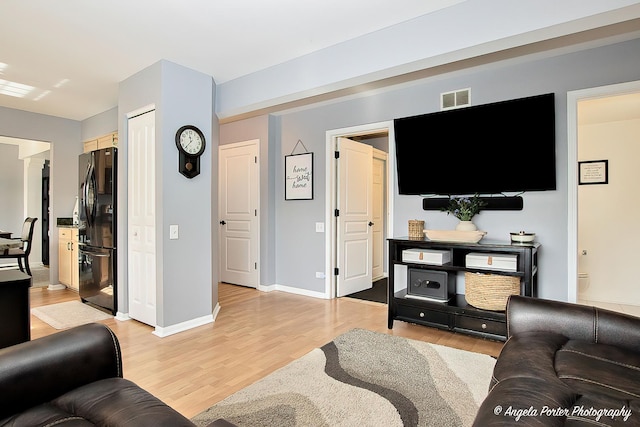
(184, 326)
(292, 290)
(123, 317)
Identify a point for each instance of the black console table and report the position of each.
(456, 314)
(15, 314)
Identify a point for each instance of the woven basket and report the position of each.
(416, 229)
(490, 291)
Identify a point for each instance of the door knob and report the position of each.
(370, 223)
(223, 222)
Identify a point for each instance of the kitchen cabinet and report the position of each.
(68, 257)
(105, 141)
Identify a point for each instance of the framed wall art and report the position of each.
(593, 172)
(298, 182)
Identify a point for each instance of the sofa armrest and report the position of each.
(574, 321)
(37, 371)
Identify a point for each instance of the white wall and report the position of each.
(609, 214)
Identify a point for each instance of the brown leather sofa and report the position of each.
(565, 365)
(74, 378)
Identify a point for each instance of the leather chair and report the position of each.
(74, 378)
(22, 254)
(565, 364)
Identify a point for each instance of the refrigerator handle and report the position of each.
(89, 184)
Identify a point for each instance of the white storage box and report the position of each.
(488, 261)
(426, 256)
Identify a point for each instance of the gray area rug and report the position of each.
(364, 378)
(68, 314)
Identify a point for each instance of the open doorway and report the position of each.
(365, 265)
(603, 123)
(22, 168)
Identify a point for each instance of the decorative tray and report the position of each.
(455, 236)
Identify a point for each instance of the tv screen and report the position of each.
(493, 148)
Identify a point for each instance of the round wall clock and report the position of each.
(191, 143)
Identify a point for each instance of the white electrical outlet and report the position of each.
(320, 275)
(319, 227)
(173, 232)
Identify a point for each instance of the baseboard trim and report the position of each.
(123, 317)
(183, 326)
(292, 290)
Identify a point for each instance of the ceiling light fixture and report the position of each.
(14, 89)
(61, 83)
(42, 95)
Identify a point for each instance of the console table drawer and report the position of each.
(493, 327)
(423, 315)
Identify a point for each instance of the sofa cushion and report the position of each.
(108, 402)
(590, 368)
(530, 354)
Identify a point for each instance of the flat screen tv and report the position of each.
(501, 147)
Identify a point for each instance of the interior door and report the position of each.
(238, 204)
(354, 222)
(379, 184)
(142, 218)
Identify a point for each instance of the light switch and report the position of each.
(319, 227)
(173, 232)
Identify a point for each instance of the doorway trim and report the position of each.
(330, 191)
(573, 98)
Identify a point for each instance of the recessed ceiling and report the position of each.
(67, 58)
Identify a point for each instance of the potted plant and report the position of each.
(465, 208)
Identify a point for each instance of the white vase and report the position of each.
(466, 226)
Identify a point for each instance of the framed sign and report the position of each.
(593, 172)
(298, 180)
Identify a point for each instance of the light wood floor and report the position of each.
(254, 334)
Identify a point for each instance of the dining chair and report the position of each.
(23, 252)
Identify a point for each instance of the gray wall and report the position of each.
(64, 136)
(11, 190)
(545, 213)
(100, 124)
(184, 269)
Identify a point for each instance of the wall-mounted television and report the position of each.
(502, 147)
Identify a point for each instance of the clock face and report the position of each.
(191, 141)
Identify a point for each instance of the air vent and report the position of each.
(456, 99)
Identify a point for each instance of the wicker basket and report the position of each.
(416, 229)
(490, 291)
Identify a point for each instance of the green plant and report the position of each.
(464, 208)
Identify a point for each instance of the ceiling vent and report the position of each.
(456, 99)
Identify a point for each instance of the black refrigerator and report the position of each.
(97, 228)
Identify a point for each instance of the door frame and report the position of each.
(331, 239)
(256, 143)
(573, 98)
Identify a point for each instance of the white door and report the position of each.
(142, 218)
(379, 186)
(355, 205)
(238, 204)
